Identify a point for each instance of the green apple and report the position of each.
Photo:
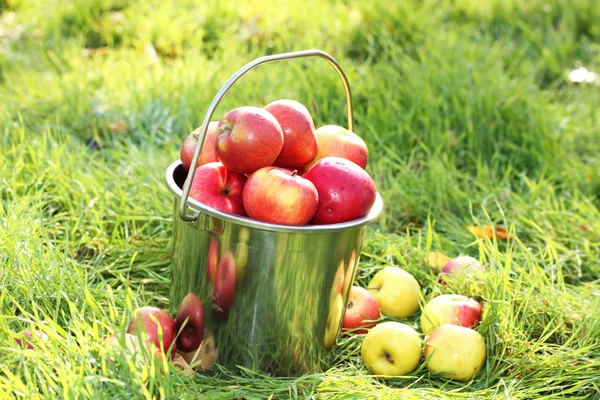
(455, 352)
(391, 349)
(396, 291)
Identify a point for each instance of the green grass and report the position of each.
(469, 117)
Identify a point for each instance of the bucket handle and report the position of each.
(213, 105)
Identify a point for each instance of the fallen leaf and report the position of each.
(437, 260)
(487, 231)
(179, 362)
(118, 127)
(588, 178)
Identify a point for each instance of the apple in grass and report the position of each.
(362, 309)
(346, 191)
(224, 289)
(218, 187)
(248, 138)
(335, 141)
(278, 196)
(391, 349)
(189, 323)
(299, 138)
(156, 327)
(465, 266)
(455, 352)
(397, 292)
(207, 154)
(29, 336)
(450, 309)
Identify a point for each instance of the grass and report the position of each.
(469, 117)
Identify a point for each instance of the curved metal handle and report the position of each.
(227, 86)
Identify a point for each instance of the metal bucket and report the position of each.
(273, 295)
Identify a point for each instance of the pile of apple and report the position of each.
(271, 164)
(452, 347)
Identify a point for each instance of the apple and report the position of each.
(362, 309)
(218, 187)
(156, 327)
(39, 336)
(130, 346)
(224, 289)
(299, 138)
(332, 326)
(336, 141)
(461, 266)
(450, 309)
(397, 292)
(346, 191)
(207, 154)
(213, 258)
(391, 349)
(455, 352)
(205, 356)
(248, 138)
(189, 323)
(278, 196)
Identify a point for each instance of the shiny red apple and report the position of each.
(361, 310)
(346, 191)
(279, 196)
(39, 336)
(248, 138)
(156, 326)
(191, 318)
(224, 290)
(207, 154)
(299, 138)
(335, 141)
(213, 259)
(219, 187)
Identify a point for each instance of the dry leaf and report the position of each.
(487, 231)
(117, 127)
(179, 362)
(437, 260)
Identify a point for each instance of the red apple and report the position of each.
(299, 138)
(218, 187)
(346, 191)
(156, 326)
(335, 141)
(279, 196)
(248, 138)
(224, 289)
(213, 258)
(190, 314)
(361, 310)
(450, 309)
(465, 266)
(207, 154)
(39, 336)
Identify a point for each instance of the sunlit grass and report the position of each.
(470, 120)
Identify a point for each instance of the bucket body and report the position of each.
(273, 296)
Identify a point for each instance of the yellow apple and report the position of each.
(391, 349)
(396, 291)
(334, 319)
(456, 352)
(450, 309)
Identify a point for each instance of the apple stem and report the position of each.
(388, 357)
(295, 172)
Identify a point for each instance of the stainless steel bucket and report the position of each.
(272, 295)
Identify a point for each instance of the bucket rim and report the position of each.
(251, 223)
